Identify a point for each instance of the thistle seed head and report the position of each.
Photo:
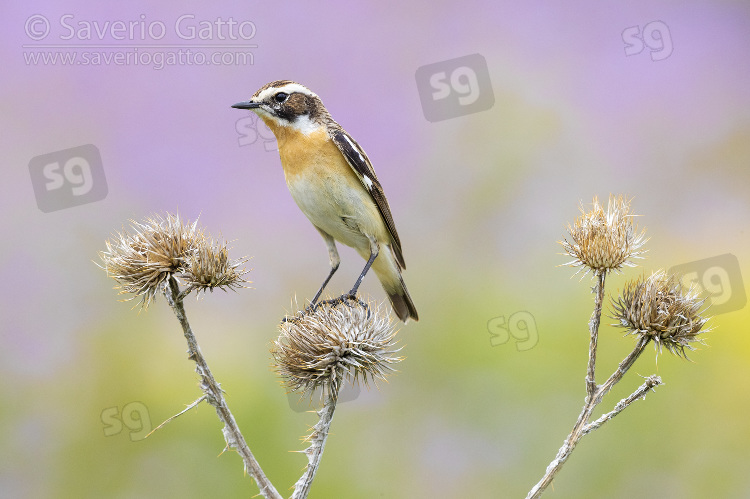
(658, 308)
(143, 260)
(210, 267)
(323, 347)
(604, 241)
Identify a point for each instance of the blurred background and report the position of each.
(488, 124)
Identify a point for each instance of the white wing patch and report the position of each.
(356, 149)
(365, 179)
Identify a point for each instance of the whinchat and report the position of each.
(334, 184)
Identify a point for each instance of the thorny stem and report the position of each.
(582, 425)
(317, 441)
(596, 318)
(626, 363)
(215, 396)
(650, 384)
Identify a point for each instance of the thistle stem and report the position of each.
(594, 322)
(582, 425)
(215, 396)
(626, 364)
(651, 382)
(317, 441)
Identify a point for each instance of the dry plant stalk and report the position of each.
(317, 348)
(150, 260)
(654, 308)
(322, 348)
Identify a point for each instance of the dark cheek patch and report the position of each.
(295, 105)
(285, 114)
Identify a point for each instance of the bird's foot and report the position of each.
(302, 313)
(346, 298)
(310, 309)
(291, 318)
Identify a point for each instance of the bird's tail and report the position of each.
(389, 273)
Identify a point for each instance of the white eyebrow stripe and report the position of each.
(289, 88)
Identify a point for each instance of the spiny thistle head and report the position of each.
(659, 308)
(602, 241)
(143, 260)
(323, 347)
(209, 267)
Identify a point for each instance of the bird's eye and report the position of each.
(280, 97)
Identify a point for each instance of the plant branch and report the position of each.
(582, 427)
(564, 452)
(317, 441)
(172, 418)
(215, 396)
(651, 382)
(596, 318)
(626, 364)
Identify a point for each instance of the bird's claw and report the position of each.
(345, 298)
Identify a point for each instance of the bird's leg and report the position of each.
(374, 250)
(333, 254)
(352, 294)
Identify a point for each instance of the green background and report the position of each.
(480, 202)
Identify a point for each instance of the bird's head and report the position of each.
(286, 104)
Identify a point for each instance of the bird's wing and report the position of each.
(362, 167)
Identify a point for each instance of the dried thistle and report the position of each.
(604, 241)
(654, 308)
(334, 341)
(659, 308)
(209, 267)
(142, 261)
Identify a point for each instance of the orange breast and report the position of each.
(313, 154)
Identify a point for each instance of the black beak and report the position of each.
(246, 105)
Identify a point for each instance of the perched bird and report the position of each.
(333, 183)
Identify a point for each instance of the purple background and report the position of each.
(479, 201)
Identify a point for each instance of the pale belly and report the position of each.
(342, 209)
